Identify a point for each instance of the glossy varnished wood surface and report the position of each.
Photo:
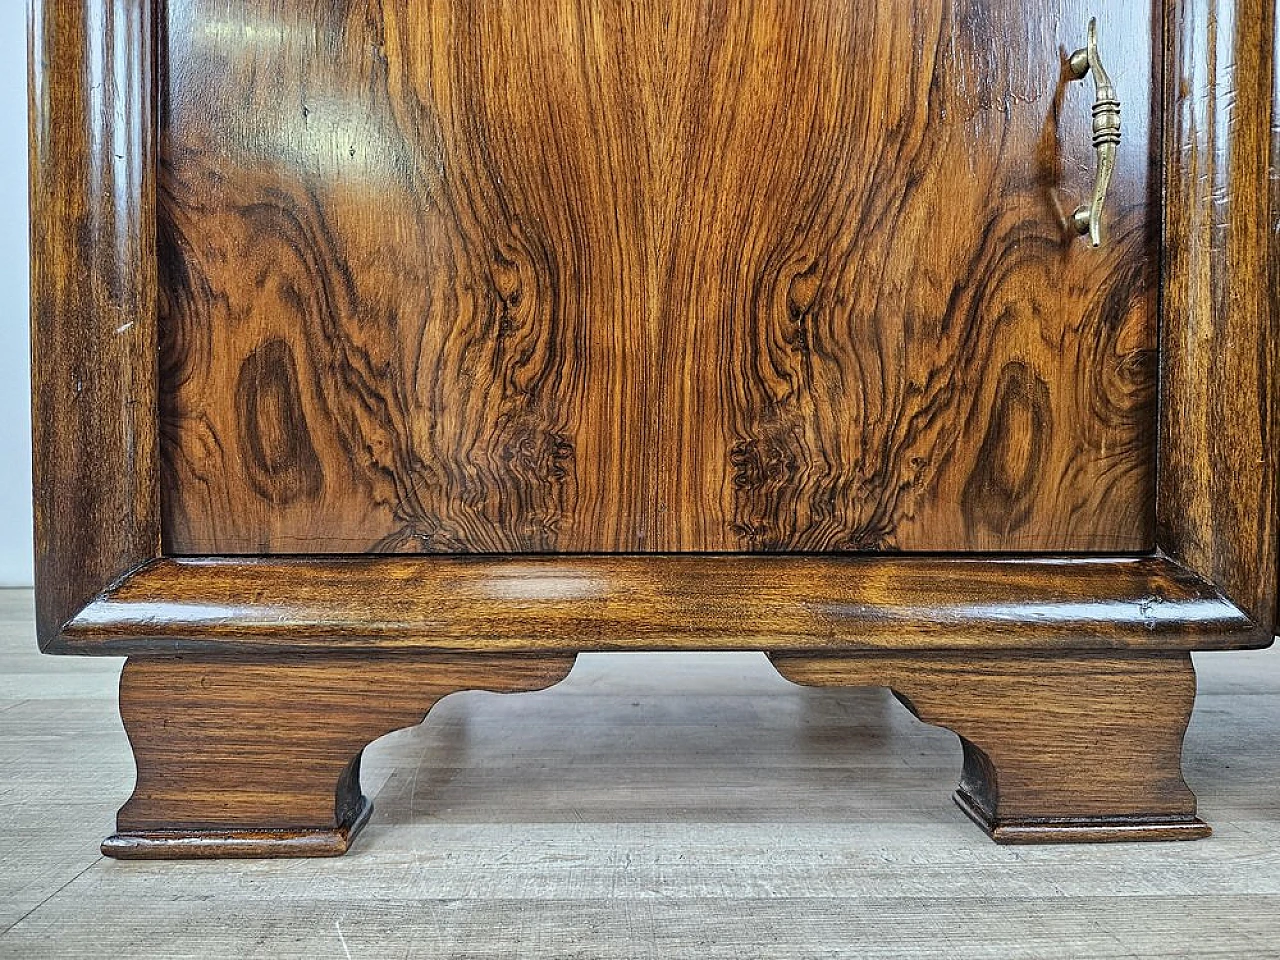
(1217, 491)
(93, 218)
(454, 276)
(734, 602)
(93, 298)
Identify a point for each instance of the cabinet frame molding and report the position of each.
(104, 585)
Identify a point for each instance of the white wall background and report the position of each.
(15, 410)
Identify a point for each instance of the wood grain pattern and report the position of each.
(1272, 284)
(262, 757)
(1056, 749)
(462, 276)
(93, 297)
(568, 605)
(1217, 492)
(504, 277)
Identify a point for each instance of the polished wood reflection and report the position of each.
(1221, 298)
(551, 604)
(593, 275)
(502, 276)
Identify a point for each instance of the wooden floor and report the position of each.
(662, 806)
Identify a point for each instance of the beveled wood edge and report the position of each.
(232, 844)
(1216, 487)
(94, 288)
(102, 335)
(170, 606)
(1081, 830)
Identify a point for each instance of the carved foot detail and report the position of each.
(261, 757)
(1057, 748)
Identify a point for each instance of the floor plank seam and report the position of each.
(17, 923)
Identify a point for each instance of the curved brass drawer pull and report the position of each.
(1106, 135)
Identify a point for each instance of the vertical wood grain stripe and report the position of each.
(1273, 264)
(93, 295)
(1216, 493)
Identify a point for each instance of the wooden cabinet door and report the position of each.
(510, 276)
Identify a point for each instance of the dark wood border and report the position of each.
(93, 300)
(1216, 488)
(94, 293)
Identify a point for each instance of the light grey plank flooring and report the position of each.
(651, 806)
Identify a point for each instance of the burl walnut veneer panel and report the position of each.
(500, 276)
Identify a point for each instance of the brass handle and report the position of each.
(1087, 220)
